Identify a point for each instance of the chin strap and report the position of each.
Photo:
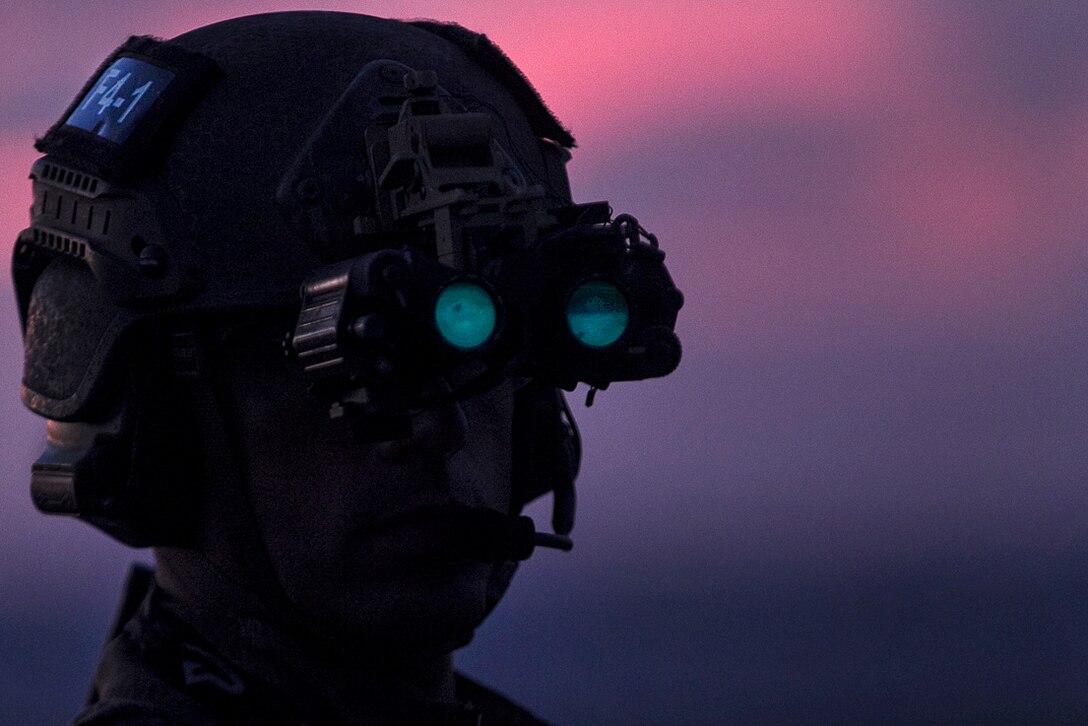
(235, 545)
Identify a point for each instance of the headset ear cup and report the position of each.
(547, 448)
(134, 475)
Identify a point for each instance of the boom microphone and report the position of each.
(487, 535)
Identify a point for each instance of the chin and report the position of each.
(434, 608)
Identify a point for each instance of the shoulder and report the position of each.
(127, 690)
(132, 683)
(123, 713)
(493, 707)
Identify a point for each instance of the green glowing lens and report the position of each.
(597, 314)
(465, 315)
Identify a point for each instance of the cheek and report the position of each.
(481, 470)
(302, 514)
(317, 492)
(301, 468)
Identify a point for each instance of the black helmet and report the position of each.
(213, 176)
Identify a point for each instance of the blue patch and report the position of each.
(119, 99)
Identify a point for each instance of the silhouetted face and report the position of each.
(360, 534)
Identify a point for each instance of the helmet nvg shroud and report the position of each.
(405, 177)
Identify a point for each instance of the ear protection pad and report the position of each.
(71, 366)
(547, 451)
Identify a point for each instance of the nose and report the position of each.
(441, 430)
(436, 432)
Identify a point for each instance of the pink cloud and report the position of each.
(617, 67)
(16, 155)
(602, 65)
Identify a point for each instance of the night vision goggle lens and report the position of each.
(597, 313)
(465, 315)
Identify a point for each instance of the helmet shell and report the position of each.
(203, 204)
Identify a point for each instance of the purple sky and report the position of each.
(869, 469)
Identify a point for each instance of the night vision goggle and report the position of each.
(478, 275)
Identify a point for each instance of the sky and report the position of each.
(862, 495)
